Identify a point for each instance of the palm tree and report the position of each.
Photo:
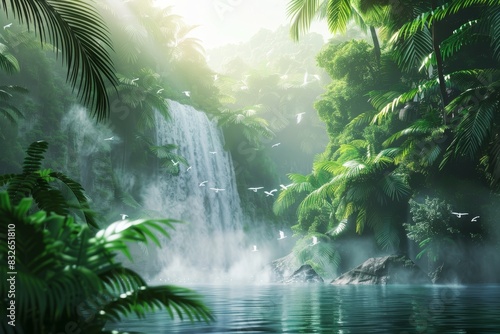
(338, 14)
(472, 111)
(245, 122)
(363, 187)
(65, 274)
(78, 31)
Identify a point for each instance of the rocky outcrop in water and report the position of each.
(283, 267)
(392, 269)
(305, 274)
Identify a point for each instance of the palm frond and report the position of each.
(182, 301)
(301, 13)
(8, 62)
(339, 13)
(76, 28)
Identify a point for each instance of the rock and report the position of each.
(392, 269)
(305, 274)
(283, 267)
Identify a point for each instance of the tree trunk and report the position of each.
(439, 64)
(376, 44)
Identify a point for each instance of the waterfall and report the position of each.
(211, 241)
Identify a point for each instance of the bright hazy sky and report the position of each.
(231, 21)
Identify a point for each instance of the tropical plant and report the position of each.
(144, 95)
(75, 28)
(338, 13)
(245, 122)
(68, 276)
(8, 109)
(39, 184)
(323, 256)
(431, 229)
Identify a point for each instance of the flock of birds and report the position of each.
(460, 214)
(270, 192)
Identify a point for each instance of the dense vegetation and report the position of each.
(410, 112)
(412, 115)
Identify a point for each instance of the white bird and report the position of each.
(188, 169)
(216, 76)
(202, 184)
(124, 216)
(305, 79)
(283, 187)
(254, 189)
(282, 235)
(276, 145)
(270, 193)
(317, 77)
(159, 91)
(7, 26)
(459, 214)
(299, 117)
(134, 80)
(315, 240)
(174, 162)
(473, 220)
(110, 138)
(187, 93)
(255, 248)
(213, 152)
(217, 189)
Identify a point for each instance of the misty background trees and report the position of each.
(398, 126)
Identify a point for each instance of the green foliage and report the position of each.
(7, 108)
(432, 228)
(323, 257)
(65, 272)
(35, 182)
(75, 28)
(245, 122)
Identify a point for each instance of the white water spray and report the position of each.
(210, 246)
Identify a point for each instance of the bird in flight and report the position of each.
(315, 241)
(270, 193)
(124, 216)
(159, 91)
(276, 145)
(299, 117)
(283, 187)
(473, 220)
(203, 183)
(188, 169)
(255, 248)
(187, 93)
(213, 152)
(174, 162)
(134, 80)
(217, 189)
(254, 189)
(459, 214)
(7, 26)
(305, 79)
(110, 138)
(282, 235)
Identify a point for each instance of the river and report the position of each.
(318, 308)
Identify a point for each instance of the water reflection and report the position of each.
(339, 309)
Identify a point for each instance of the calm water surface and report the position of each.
(338, 309)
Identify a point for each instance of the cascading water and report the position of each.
(210, 245)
